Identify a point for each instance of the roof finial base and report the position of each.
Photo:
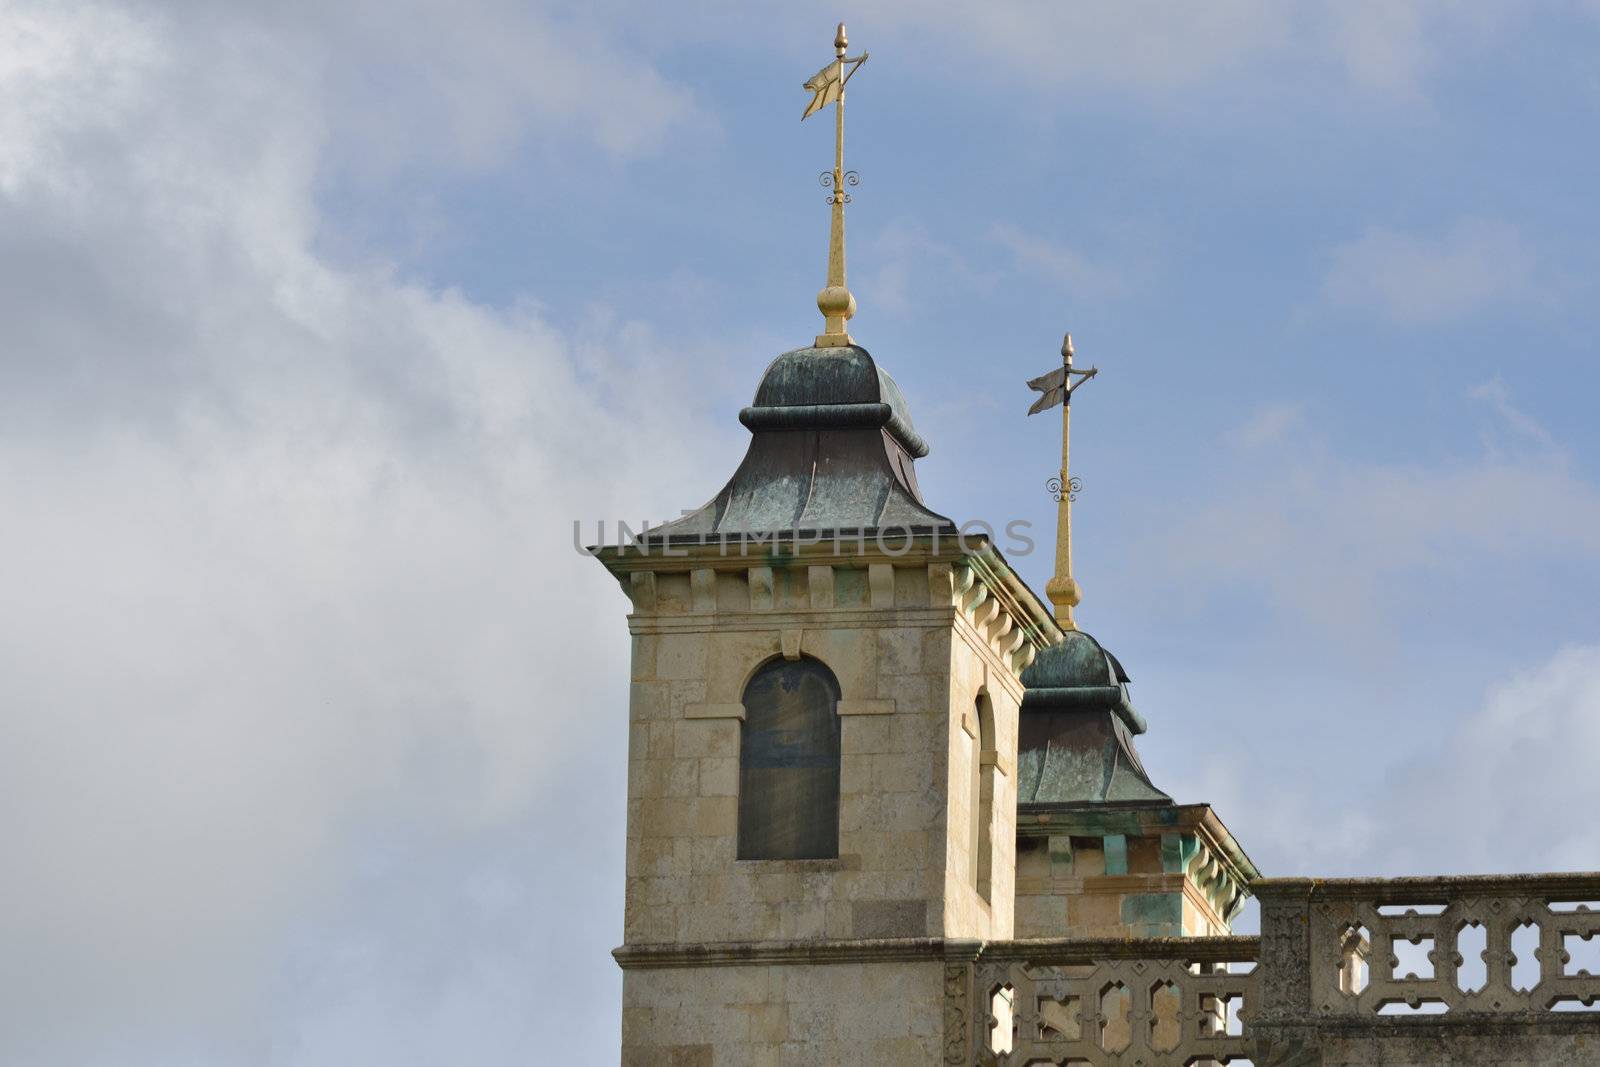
(1065, 593)
(838, 306)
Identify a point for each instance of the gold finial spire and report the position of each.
(835, 301)
(1058, 387)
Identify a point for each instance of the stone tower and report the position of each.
(885, 806)
(824, 785)
(1102, 852)
(824, 714)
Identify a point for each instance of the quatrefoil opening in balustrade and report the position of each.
(1524, 958)
(1580, 955)
(1472, 956)
(1116, 1017)
(1355, 947)
(1060, 1019)
(1002, 1012)
(1411, 958)
(1221, 1016)
(1166, 1009)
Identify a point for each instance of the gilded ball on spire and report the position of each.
(836, 302)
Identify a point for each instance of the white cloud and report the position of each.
(483, 77)
(1270, 425)
(914, 266)
(1385, 49)
(1511, 787)
(1142, 48)
(1504, 787)
(1336, 543)
(1073, 271)
(1418, 279)
(287, 545)
(1383, 43)
(1355, 692)
(1522, 426)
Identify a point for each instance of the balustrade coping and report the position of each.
(1044, 950)
(1434, 889)
(1054, 950)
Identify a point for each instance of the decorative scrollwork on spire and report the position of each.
(826, 179)
(1073, 487)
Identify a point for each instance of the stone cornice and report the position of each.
(972, 587)
(828, 619)
(783, 549)
(1019, 601)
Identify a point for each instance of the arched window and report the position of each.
(789, 763)
(983, 756)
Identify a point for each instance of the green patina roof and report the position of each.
(840, 377)
(1077, 660)
(832, 449)
(1077, 728)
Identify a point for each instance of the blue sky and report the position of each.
(321, 324)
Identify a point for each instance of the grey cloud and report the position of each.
(289, 596)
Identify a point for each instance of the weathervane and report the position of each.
(835, 301)
(1057, 387)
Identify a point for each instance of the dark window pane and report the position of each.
(789, 763)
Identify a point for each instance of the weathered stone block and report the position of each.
(1144, 855)
(673, 596)
(701, 738)
(910, 583)
(867, 734)
(716, 816)
(1041, 916)
(733, 592)
(888, 918)
(719, 777)
(649, 700)
(1153, 914)
(850, 588)
(895, 772)
(644, 658)
(900, 651)
(681, 656)
(1096, 914)
(912, 693)
(659, 740)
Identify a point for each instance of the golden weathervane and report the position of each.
(827, 85)
(1057, 387)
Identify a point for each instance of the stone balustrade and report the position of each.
(1144, 1001)
(1500, 970)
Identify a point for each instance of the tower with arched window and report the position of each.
(885, 805)
(826, 677)
(827, 689)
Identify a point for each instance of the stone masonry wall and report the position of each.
(1081, 899)
(909, 661)
(788, 1015)
(966, 912)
